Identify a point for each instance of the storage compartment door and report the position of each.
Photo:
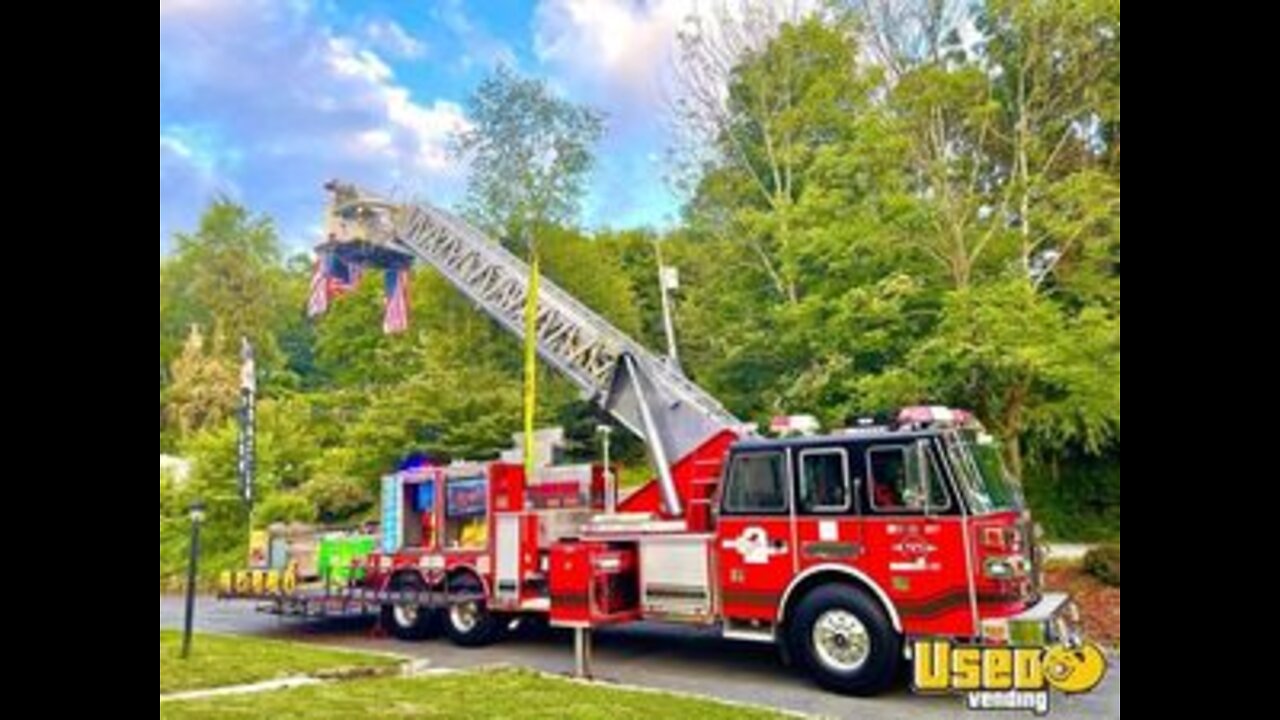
(507, 562)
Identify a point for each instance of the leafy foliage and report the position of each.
(1104, 564)
(205, 386)
(530, 154)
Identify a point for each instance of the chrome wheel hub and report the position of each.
(406, 615)
(841, 641)
(465, 617)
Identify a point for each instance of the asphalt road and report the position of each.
(657, 657)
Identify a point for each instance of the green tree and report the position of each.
(1010, 205)
(226, 277)
(591, 270)
(800, 91)
(213, 482)
(1057, 82)
(907, 271)
(351, 350)
(295, 334)
(799, 151)
(451, 406)
(530, 153)
(1030, 371)
(205, 386)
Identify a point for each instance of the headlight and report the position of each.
(1001, 568)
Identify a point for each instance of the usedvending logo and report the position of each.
(1007, 678)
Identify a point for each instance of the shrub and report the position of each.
(1076, 498)
(285, 508)
(1103, 563)
(337, 499)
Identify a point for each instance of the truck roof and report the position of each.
(758, 443)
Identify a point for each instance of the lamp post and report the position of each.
(197, 518)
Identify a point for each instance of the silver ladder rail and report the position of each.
(638, 388)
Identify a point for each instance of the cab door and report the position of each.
(754, 538)
(828, 529)
(916, 526)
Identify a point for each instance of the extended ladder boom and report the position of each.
(641, 390)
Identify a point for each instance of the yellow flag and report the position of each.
(531, 364)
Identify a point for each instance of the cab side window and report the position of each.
(758, 485)
(904, 480)
(824, 482)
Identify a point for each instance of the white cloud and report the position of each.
(433, 126)
(348, 60)
(268, 99)
(427, 129)
(173, 7)
(483, 49)
(188, 179)
(620, 53)
(617, 48)
(390, 37)
(174, 148)
(377, 141)
(620, 56)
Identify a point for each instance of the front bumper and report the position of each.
(1054, 619)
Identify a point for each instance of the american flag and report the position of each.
(333, 277)
(396, 319)
(344, 277)
(318, 303)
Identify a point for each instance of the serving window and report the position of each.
(466, 513)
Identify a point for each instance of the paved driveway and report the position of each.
(656, 656)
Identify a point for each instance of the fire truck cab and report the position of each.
(843, 548)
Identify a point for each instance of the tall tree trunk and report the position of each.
(1015, 405)
(1013, 455)
(1024, 175)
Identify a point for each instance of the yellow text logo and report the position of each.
(1007, 678)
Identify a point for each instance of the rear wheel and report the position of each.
(846, 641)
(410, 622)
(470, 624)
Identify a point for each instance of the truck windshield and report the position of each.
(981, 472)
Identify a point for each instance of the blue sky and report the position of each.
(265, 100)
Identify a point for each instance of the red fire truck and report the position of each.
(839, 549)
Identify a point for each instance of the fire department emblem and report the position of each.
(754, 546)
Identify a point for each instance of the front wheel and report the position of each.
(846, 641)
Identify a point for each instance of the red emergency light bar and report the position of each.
(935, 415)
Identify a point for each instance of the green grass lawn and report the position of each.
(218, 661)
(473, 696)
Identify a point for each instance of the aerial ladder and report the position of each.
(646, 393)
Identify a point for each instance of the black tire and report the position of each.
(410, 624)
(531, 626)
(471, 625)
(866, 673)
